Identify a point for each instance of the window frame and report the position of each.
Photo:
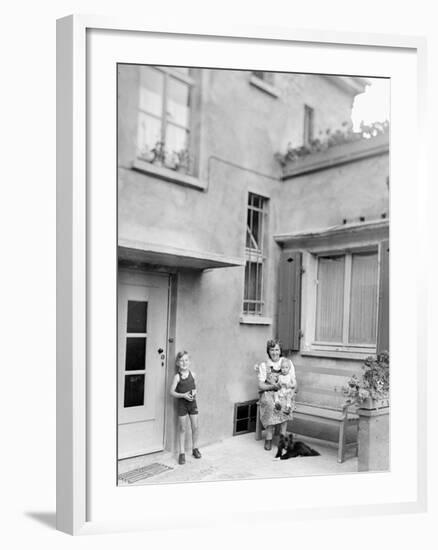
(257, 256)
(262, 75)
(308, 124)
(252, 419)
(265, 85)
(309, 344)
(187, 79)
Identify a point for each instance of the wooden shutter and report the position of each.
(288, 330)
(383, 322)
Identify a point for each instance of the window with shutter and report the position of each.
(345, 302)
(346, 299)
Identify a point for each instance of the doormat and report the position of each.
(144, 472)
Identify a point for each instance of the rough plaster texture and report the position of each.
(373, 441)
(223, 353)
(237, 129)
(325, 198)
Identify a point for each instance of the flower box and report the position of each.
(336, 155)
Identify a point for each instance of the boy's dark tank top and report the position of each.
(185, 385)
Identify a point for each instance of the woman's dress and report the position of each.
(269, 415)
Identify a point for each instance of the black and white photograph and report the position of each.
(253, 274)
(219, 300)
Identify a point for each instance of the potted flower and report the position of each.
(182, 161)
(159, 153)
(146, 154)
(370, 390)
(326, 147)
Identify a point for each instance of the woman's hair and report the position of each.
(271, 344)
(179, 355)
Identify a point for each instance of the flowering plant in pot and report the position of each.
(370, 389)
(182, 161)
(159, 153)
(155, 155)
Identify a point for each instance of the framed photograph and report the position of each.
(238, 315)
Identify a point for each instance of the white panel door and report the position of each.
(142, 350)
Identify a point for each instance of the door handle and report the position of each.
(160, 350)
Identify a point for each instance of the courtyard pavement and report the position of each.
(239, 457)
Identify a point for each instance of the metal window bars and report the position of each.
(254, 269)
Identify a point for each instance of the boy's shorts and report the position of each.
(187, 407)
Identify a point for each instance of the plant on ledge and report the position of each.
(156, 155)
(181, 161)
(372, 383)
(159, 155)
(331, 139)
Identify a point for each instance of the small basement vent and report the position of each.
(245, 415)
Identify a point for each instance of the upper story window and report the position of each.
(164, 116)
(265, 76)
(253, 303)
(346, 300)
(264, 81)
(308, 129)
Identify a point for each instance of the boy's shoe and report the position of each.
(182, 458)
(268, 444)
(196, 453)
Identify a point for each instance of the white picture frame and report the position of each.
(76, 213)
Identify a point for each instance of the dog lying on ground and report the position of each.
(287, 448)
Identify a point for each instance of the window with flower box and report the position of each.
(164, 117)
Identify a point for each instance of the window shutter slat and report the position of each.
(289, 300)
(383, 326)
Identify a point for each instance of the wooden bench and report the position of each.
(326, 415)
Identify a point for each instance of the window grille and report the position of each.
(245, 415)
(255, 260)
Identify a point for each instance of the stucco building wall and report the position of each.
(236, 148)
(233, 115)
(327, 197)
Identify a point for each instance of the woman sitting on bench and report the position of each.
(268, 373)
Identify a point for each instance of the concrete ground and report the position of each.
(239, 457)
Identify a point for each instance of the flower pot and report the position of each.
(373, 436)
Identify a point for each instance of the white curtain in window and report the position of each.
(176, 138)
(151, 91)
(149, 132)
(330, 299)
(363, 301)
(178, 102)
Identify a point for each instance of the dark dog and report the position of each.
(287, 448)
